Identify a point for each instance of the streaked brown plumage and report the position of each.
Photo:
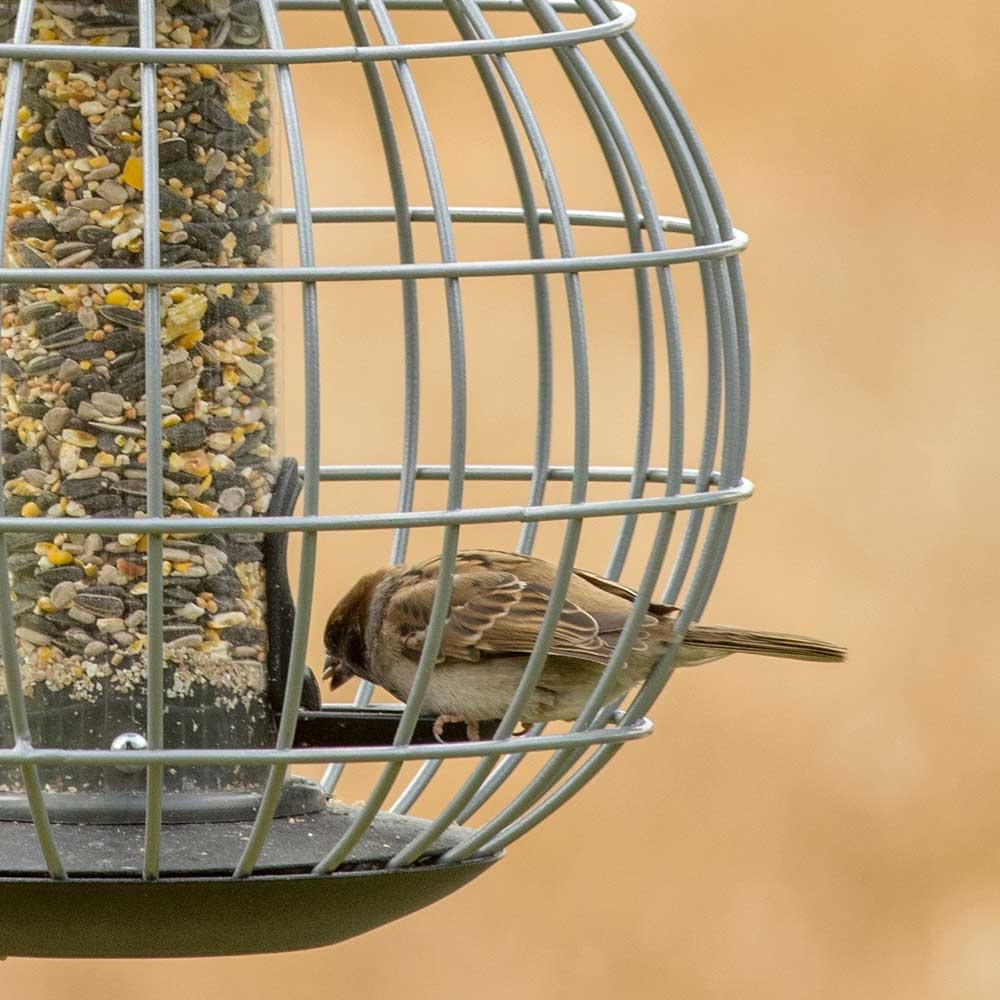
(497, 602)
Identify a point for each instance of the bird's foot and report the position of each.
(471, 727)
(523, 731)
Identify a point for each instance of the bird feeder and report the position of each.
(155, 688)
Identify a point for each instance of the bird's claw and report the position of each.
(471, 727)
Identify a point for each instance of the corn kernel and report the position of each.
(190, 339)
(132, 172)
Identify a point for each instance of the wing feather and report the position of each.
(498, 603)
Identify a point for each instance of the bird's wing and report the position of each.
(495, 613)
(620, 590)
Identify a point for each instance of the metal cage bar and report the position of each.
(543, 339)
(310, 499)
(459, 427)
(581, 446)
(277, 55)
(473, 784)
(600, 111)
(44, 757)
(732, 319)
(155, 707)
(403, 218)
(16, 703)
(391, 272)
(719, 497)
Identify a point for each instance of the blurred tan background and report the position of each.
(788, 831)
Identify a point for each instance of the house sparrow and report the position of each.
(498, 600)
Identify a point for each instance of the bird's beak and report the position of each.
(335, 672)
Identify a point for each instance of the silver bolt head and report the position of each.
(129, 741)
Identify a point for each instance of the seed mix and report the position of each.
(72, 357)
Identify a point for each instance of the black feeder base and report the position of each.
(196, 908)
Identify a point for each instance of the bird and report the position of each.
(498, 600)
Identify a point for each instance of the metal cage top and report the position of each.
(707, 492)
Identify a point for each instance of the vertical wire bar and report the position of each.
(536, 247)
(411, 332)
(647, 370)
(529, 821)
(492, 785)
(310, 499)
(698, 182)
(626, 171)
(459, 430)
(154, 434)
(608, 128)
(729, 302)
(518, 828)
(710, 444)
(679, 144)
(733, 304)
(644, 429)
(497, 778)
(720, 211)
(564, 571)
(16, 702)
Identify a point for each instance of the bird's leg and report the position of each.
(471, 727)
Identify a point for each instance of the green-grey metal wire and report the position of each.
(543, 323)
(401, 215)
(459, 426)
(698, 187)
(623, 166)
(536, 661)
(16, 703)
(461, 801)
(310, 493)
(601, 730)
(154, 455)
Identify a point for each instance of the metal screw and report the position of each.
(129, 741)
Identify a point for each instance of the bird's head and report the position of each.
(344, 637)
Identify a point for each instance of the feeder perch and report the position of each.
(155, 686)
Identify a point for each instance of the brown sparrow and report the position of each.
(498, 600)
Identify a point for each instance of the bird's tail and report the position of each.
(727, 639)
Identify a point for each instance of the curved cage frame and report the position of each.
(714, 487)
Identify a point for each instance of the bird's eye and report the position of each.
(355, 648)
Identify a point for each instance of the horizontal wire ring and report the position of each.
(26, 754)
(383, 272)
(366, 522)
(35, 52)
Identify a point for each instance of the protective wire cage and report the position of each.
(157, 856)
